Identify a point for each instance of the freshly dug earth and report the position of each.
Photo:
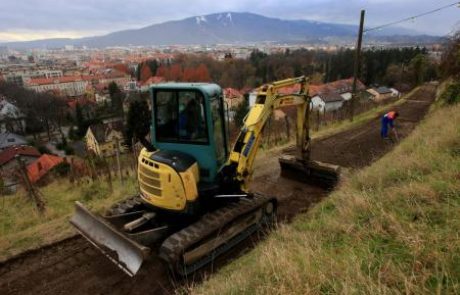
(73, 266)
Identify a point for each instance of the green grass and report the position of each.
(22, 228)
(388, 229)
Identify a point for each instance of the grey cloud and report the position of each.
(112, 15)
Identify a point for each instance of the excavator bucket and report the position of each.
(124, 252)
(316, 172)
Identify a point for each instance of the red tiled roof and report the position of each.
(153, 80)
(58, 80)
(339, 86)
(37, 169)
(23, 150)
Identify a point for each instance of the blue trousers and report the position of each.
(384, 129)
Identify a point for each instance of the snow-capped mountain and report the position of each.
(227, 28)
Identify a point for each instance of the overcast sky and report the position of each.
(36, 19)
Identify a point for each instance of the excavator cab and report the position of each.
(189, 118)
(190, 138)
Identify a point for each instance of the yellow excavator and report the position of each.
(194, 202)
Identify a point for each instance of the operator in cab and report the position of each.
(190, 119)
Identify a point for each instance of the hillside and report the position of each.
(390, 228)
(63, 266)
(230, 28)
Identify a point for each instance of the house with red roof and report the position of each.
(101, 139)
(66, 85)
(38, 169)
(8, 163)
(331, 96)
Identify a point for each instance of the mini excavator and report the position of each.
(194, 202)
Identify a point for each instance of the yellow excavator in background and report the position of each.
(194, 202)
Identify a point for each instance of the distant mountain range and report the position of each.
(229, 28)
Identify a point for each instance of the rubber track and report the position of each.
(173, 247)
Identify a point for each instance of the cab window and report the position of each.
(180, 116)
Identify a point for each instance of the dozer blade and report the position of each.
(316, 172)
(129, 254)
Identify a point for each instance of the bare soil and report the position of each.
(73, 266)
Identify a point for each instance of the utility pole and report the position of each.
(357, 64)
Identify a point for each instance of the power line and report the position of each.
(411, 18)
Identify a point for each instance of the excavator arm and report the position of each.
(269, 99)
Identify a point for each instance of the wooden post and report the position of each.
(117, 151)
(71, 168)
(134, 151)
(109, 175)
(357, 64)
(288, 130)
(34, 194)
(318, 119)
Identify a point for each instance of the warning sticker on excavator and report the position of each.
(248, 146)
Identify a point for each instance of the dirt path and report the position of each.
(74, 267)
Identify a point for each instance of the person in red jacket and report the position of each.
(388, 122)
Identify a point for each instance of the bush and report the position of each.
(62, 169)
(60, 146)
(452, 93)
(73, 134)
(69, 150)
(43, 149)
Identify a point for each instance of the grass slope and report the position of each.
(391, 228)
(22, 228)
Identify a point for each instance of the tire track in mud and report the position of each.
(73, 266)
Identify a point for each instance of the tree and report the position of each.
(450, 61)
(175, 73)
(202, 74)
(138, 123)
(116, 96)
(122, 68)
(241, 111)
(419, 65)
(80, 121)
(393, 75)
(43, 111)
(153, 65)
(145, 73)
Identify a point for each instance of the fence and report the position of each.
(284, 129)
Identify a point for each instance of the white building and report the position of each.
(11, 117)
(327, 102)
(68, 86)
(21, 78)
